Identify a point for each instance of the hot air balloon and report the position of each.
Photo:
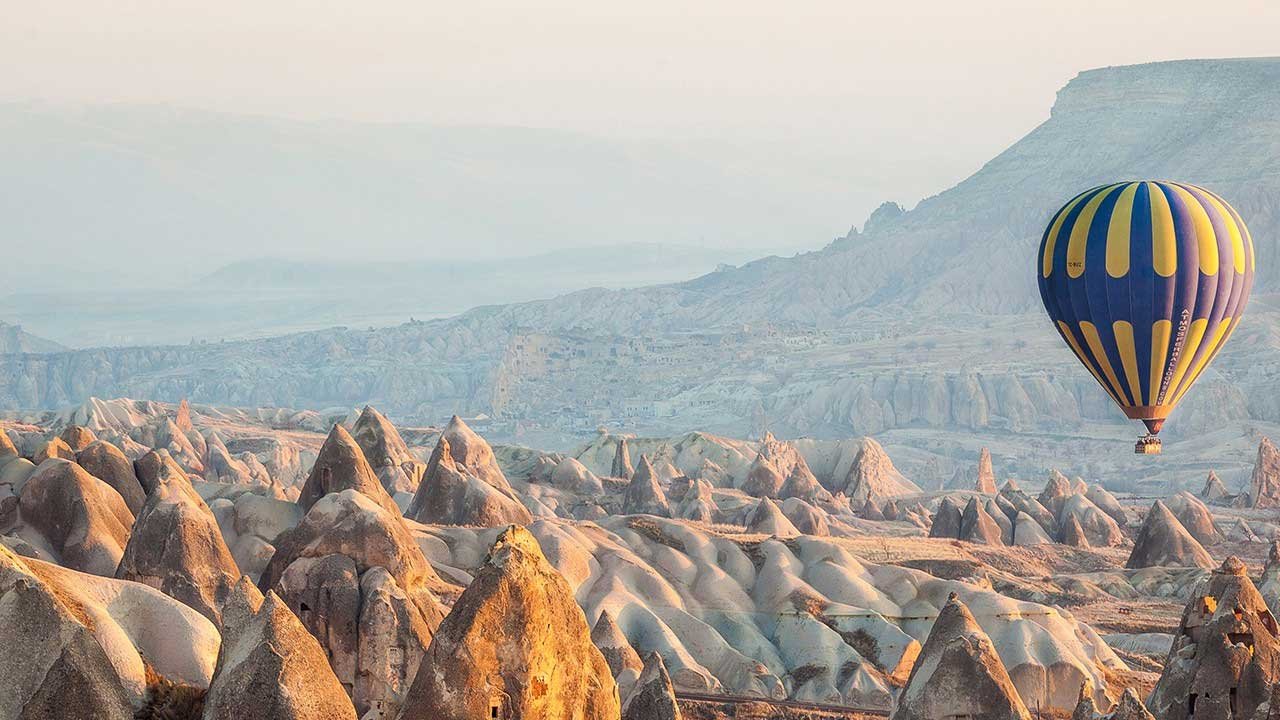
(1145, 281)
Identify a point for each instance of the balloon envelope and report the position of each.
(1145, 281)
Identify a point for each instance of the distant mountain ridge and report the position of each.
(925, 319)
(13, 339)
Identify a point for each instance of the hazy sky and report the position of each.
(909, 95)
(978, 69)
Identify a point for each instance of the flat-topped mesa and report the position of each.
(1163, 541)
(341, 465)
(515, 643)
(872, 474)
(621, 467)
(1264, 484)
(959, 674)
(1225, 656)
(269, 666)
(451, 494)
(643, 495)
(397, 468)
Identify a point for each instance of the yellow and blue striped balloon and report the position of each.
(1145, 281)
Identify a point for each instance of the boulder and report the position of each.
(84, 520)
(341, 465)
(104, 461)
(959, 674)
(653, 697)
(515, 643)
(55, 448)
(1163, 541)
(1225, 656)
(77, 437)
(1264, 484)
(271, 668)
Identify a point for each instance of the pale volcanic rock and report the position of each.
(1107, 503)
(768, 519)
(77, 437)
(986, 478)
(763, 479)
(624, 662)
(451, 494)
(573, 476)
(1072, 534)
(270, 667)
(1020, 501)
(104, 461)
(221, 466)
(1098, 526)
(355, 577)
(7, 448)
(806, 518)
(155, 469)
(947, 520)
(516, 635)
(802, 485)
(54, 448)
(53, 667)
(1130, 707)
(959, 673)
(872, 474)
(397, 468)
(1195, 517)
(977, 525)
(1225, 655)
(621, 467)
(1163, 541)
(871, 510)
(83, 519)
(653, 697)
(1214, 491)
(698, 503)
(1269, 585)
(643, 494)
(1026, 531)
(177, 548)
(341, 465)
(1057, 488)
(1264, 484)
(471, 451)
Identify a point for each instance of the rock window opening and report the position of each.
(1191, 705)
